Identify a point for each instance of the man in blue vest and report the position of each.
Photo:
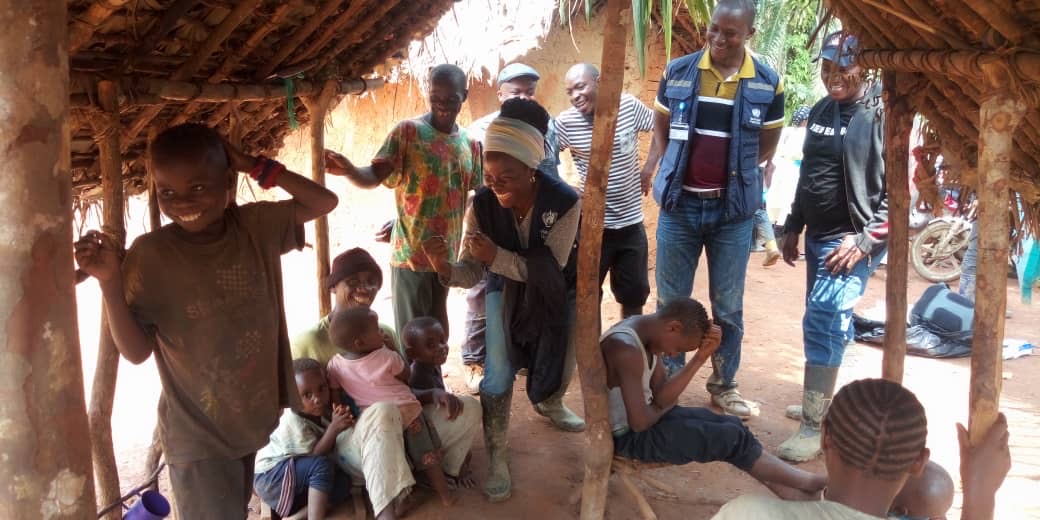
(719, 115)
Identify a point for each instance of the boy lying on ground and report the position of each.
(294, 469)
(204, 295)
(873, 442)
(456, 418)
(647, 423)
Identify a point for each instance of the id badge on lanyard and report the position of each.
(679, 128)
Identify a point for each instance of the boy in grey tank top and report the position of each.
(647, 423)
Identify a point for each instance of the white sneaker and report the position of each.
(474, 375)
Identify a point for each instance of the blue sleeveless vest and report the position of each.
(744, 181)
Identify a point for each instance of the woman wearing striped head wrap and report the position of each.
(522, 223)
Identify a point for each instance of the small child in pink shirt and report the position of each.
(370, 373)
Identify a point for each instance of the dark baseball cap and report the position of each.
(517, 70)
(839, 47)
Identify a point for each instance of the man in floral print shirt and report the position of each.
(431, 164)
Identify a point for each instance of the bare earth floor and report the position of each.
(547, 464)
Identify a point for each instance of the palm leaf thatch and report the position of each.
(227, 64)
(947, 49)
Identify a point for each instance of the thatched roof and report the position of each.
(948, 47)
(220, 62)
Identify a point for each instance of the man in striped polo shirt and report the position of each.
(719, 114)
(624, 252)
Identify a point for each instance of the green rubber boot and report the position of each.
(557, 412)
(498, 486)
(804, 445)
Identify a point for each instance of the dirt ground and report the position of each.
(547, 464)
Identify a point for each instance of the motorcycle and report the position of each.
(938, 247)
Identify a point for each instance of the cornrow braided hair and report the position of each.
(877, 426)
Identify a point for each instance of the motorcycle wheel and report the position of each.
(935, 261)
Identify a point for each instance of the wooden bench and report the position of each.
(629, 471)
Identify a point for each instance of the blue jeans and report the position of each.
(499, 372)
(763, 228)
(696, 225)
(829, 301)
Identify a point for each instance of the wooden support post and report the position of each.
(102, 392)
(319, 108)
(600, 448)
(154, 215)
(898, 121)
(45, 467)
(999, 114)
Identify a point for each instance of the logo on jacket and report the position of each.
(549, 218)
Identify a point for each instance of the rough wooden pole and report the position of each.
(898, 121)
(999, 114)
(318, 107)
(154, 215)
(102, 392)
(45, 467)
(151, 462)
(600, 449)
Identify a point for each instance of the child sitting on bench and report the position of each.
(646, 421)
(296, 469)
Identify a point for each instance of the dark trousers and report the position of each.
(416, 295)
(624, 255)
(685, 435)
(476, 325)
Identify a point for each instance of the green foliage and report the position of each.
(800, 85)
(782, 30)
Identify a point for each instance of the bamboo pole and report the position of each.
(184, 91)
(242, 10)
(241, 52)
(1004, 21)
(319, 107)
(357, 32)
(961, 63)
(45, 467)
(102, 392)
(898, 121)
(600, 448)
(298, 37)
(999, 115)
(82, 27)
(151, 463)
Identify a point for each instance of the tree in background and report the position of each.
(783, 31)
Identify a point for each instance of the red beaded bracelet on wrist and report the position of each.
(266, 171)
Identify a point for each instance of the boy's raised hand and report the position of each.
(341, 418)
(238, 160)
(448, 401)
(99, 256)
(709, 342)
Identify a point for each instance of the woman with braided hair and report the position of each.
(874, 442)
